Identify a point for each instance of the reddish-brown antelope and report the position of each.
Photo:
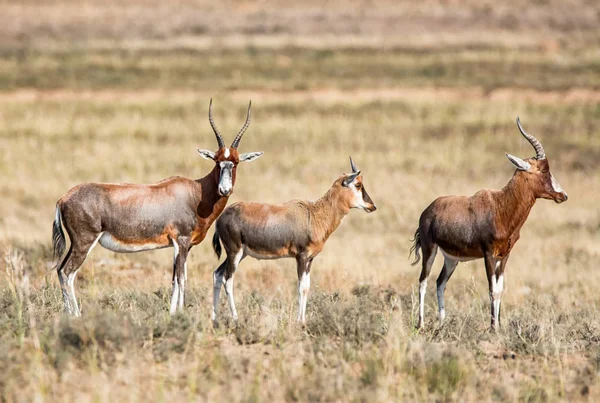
(485, 225)
(131, 218)
(297, 229)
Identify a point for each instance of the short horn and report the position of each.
(539, 150)
(354, 169)
(236, 141)
(214, 126)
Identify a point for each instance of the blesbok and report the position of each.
(486, 225)
(297, 229)
(174, 212)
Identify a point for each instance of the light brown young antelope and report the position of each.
(131, 218)
(486, 225)
(297, 229)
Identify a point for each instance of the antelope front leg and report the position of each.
(495, 273)
(181, 250)
(303, 268)
(499, 288)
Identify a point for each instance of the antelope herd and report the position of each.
(178, 212)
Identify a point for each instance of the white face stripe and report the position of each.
(227, 153)
(555, 185)
(225, 181)
(358, 201)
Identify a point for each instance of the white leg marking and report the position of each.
(74, 308)
(229, 284)
(94, 244)
(422, 291)
(305, 298)
(174, 296)
(181, 294)
(217, 284)
(303, 288)
(229, 291)
(498, 288)
(185, 270)
(65, 294)
(423, 287)
(176, 293)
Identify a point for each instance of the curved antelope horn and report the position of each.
(236, 141)
(354, 169)
(214, 126)
(539, 150)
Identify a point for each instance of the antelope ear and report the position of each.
(247, 157)
(518, 162)
(350, 178)
(209, 155)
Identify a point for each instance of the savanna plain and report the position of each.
(424, 98)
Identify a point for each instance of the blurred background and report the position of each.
(423, 95)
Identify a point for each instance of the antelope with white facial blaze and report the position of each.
(486, 225)
(297, 229)
(174, 212)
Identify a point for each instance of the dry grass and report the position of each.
(413, 144)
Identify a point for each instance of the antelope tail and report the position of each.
(416, 247)
(216, 243)
(58, 236)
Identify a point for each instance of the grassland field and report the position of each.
(423, 97)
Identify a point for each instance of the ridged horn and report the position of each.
(236, 141)
(354, 169)
(214, 127)
(539, 150)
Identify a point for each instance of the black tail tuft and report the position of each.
(416, 247)
(217, 244)
(58, 236)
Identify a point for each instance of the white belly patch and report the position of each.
(456, 258)
(113, 244)
(255, 255)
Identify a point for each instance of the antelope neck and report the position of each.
(514, 203)
(326, 214)
(210, 202)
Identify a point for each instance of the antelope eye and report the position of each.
(358, 186)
